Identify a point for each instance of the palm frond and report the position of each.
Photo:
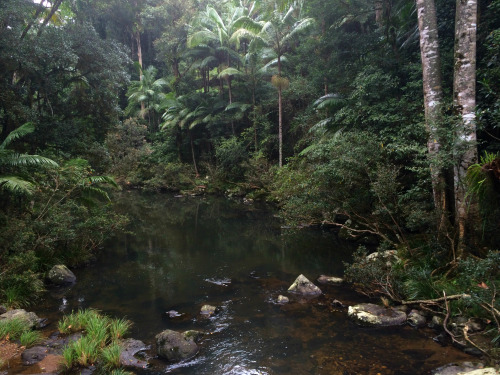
(229, 72)
(300, 27)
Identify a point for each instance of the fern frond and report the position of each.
(17, 160)
(20, 132)
(16, 185)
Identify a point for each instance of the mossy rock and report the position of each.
(175, 346)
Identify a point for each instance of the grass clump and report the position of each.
(100, 343)
(118, 328)
(110, 356)
(18, 330)
(12, 329)
(30, 338)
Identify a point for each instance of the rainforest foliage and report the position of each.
(318, 106)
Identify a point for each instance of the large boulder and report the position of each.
(175, 346)
(304, 287)
(374, 315)
(31, 319)
(61, 275)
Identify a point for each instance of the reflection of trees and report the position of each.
(177, 242)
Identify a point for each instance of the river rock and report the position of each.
(30, 318)
(330, 280)
(468, 368)
(436, 322)
(130, 348)
(61, 275)
(34, 355)
(208, 310)
(282, 299)
(175, 346)
(375, 315)
(303, 286)
(3, 309)
(416, 319)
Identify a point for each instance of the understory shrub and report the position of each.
(65, 221)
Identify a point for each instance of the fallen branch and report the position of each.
(445, 321)
(436, 300)
(466, 336)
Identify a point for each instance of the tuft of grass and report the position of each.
(97, 329)
(118, 328)
(68, 357)
(30, 338)
(110, 356)
(86, 351)
(100, 342)
(12, 328)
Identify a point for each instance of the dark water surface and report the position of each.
(187, 252)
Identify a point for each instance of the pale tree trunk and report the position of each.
(139, 57)
(464, 100)
(433, 100)
(280, 115)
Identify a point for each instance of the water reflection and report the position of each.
(185, 253)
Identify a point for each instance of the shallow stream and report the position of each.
(187, 252)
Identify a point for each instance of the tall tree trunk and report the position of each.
(230, 101)
(139, 58)
(280, 115)
(464, 100)
(192, 153)
(433, 100)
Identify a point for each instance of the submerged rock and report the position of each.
(303, 286)
(330, 280)
(61, 275)
(175, 346)
(34, 355)
(375, 315)
(31, 319)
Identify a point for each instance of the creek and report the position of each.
(183, 253)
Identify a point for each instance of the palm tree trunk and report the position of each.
(433, 101)
(464, 100)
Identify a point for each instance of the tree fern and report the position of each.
(13, 182)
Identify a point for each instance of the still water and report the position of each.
(183, 253)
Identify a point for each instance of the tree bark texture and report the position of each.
(464, 100)
(433, 99)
